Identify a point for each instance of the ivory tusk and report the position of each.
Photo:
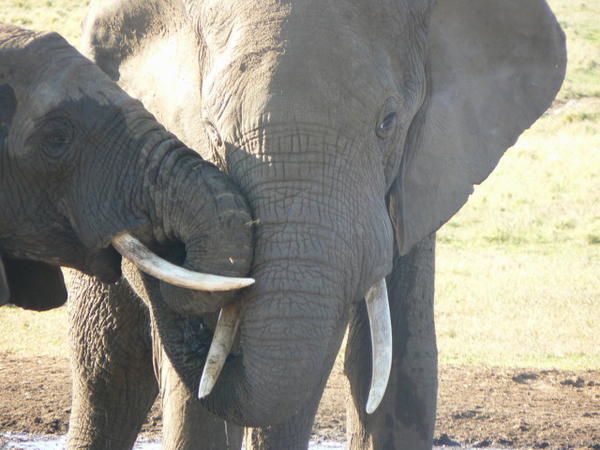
(378, 309)
(132, 249)
(220, 347)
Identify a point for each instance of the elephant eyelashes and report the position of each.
(56, 137)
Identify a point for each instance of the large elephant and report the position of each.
(355, 129)
(84, 166)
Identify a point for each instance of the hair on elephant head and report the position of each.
(355, 129)
(83, 165)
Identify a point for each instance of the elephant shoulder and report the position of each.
(115, 30)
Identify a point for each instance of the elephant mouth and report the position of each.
(186, 339)
(195, 337)
(104, 264)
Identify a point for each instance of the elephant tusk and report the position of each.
(220, 347)
(378, 309)
(132, 249)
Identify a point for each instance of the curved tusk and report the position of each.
(220, 347)
(148, 262)
(378, 309)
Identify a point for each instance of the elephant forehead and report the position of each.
(68, 84)
(276, 25)
(317, 60)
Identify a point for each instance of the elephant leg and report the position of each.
(114, 385)
(186, 424)
(406, 417)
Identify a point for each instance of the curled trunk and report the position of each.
(217, 232)
(192, 204)
(293, 322)
(319, 248)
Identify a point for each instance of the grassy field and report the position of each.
(518, 268)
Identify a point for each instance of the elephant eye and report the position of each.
(387, 126)
(56, 137)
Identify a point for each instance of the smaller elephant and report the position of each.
(84, 167)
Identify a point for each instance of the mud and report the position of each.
(478, 407)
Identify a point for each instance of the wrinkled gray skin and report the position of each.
(81, 162)
(355, 129)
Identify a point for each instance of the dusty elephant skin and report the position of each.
(355, 129)
(81, 163)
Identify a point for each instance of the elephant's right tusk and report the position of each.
(220, 347)
(378, 309)
(148, 262)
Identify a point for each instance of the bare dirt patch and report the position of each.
(482, 407)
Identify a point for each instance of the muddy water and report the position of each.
(25, 442)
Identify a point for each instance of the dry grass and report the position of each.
(64, 16)
(26, 333)
(518, 267)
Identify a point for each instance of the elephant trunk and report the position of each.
(319, 248)
(214, 230)
(293, 320)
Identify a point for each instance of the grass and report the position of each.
(26, 333)
(64, 16)
(518, 268)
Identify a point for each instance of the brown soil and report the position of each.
(482, 407)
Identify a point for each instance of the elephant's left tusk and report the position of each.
(132, 249)
(378, 309)
(220, 347)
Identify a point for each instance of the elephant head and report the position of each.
(83, 165)
(354, 128)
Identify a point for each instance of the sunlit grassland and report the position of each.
(64, 16)
(518, 268)
(25, 333)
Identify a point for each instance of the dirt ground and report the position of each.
(482, 407)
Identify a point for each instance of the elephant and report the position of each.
(355, 130)
(88, 174)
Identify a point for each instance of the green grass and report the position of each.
(518, 268)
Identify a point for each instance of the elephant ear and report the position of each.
(494, 66)
(31, 285)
